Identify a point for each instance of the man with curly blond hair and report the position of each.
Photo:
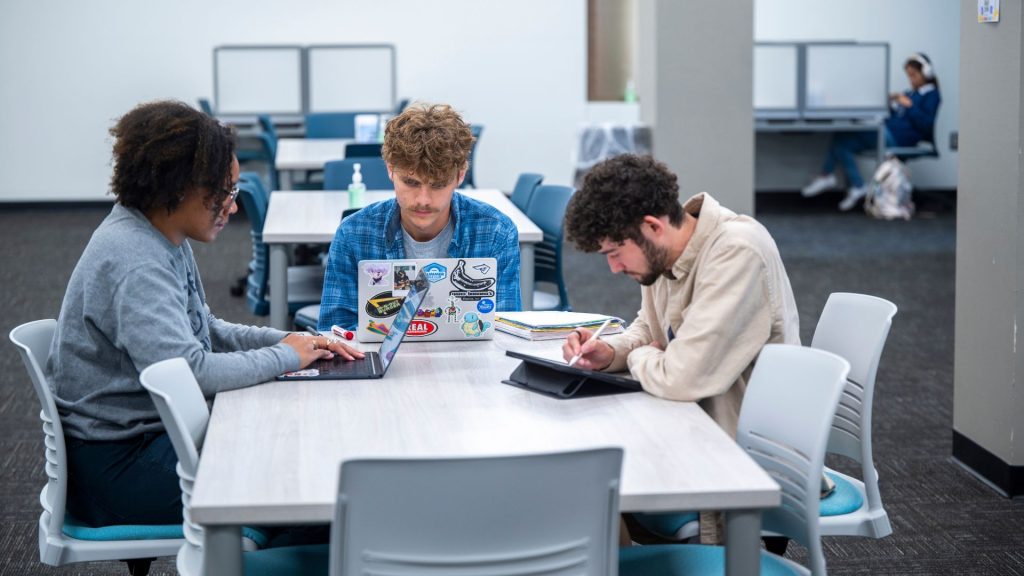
(426, 149)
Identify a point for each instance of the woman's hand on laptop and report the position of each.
(312, 348)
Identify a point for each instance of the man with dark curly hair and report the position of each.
(426, 149)
(135, 298)
(714, 290)
(714, 287)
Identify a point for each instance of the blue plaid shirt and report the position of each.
(375, 233)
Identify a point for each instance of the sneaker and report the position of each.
(853, 195)
(819, 185)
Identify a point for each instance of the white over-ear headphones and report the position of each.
(926, 65)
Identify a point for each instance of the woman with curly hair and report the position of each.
(135, 298)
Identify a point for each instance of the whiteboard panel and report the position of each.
(851, 77)
(775, 77)
(258, 79)
(351, 78)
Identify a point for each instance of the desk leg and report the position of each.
(526, 274)
(284, 179)
(223, 550)
(881, 145)
(279, 286)
(742, 542)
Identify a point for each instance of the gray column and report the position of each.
(695, 85)
(988, 411)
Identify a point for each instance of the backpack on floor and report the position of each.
(889, 195)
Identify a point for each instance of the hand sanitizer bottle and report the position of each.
(356, 189)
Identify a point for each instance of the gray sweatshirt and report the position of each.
(135, 299)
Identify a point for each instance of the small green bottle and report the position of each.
(356, 190)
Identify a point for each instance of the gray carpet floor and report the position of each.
(945, 521)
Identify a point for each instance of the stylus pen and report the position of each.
(596, 335)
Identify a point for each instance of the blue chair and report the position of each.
(525, 185)
(401, 106)
(469, 181)
(338, 173)
(331, 124)
(547, 211)
(305, 283)
(185, 416)
(204, 105)
(62, 538)
(534, 514)
(363, 150)
(784, 426)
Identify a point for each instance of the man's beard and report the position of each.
(657, 260)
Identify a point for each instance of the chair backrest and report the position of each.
(338, 173)
(783, 426)
(181, 406)
(354, 150)
(331, 124)
(534, 514)
(525, 185)
(204, 105)
(547, 211)
(184, 414)
(469, 181)
(254, 199)
(33, 340)
(855, 327)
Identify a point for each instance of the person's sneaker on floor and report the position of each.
(819, 185)
(853, 195)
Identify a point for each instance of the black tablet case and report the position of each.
(563, 381)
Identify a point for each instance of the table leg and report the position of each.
(279, 286)
(742, 542)
(222, 553)
(881, 144)
(526, 274)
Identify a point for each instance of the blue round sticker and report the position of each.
(485, 305)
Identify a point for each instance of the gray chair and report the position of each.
(62, 538)
(784, 426)
(184, 414)
(553, 514)
(855, 327)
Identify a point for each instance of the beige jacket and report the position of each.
(726, 296)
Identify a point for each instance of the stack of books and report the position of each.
(552, 325)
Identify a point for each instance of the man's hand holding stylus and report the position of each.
(595, 353)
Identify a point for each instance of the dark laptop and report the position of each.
(375, 364)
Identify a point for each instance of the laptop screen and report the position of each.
(417, 291)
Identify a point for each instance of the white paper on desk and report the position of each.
(552, 318)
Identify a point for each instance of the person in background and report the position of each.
(714, 289)
(911, 120)
(426, 149)
(135, 298)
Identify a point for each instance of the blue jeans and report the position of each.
(846, 145)
(124, 481)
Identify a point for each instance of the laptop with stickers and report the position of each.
(374, 364)
(459, 306)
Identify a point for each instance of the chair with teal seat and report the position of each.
(305, 283)
(331, 124)
(547, 211)
(184, 414)
(338, 173)
(553, 513)
(526, 184)
(784, 426)
(855, 326)
(62, 538)
(469, 181)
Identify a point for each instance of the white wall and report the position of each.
(69, 69)
(928, 26)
